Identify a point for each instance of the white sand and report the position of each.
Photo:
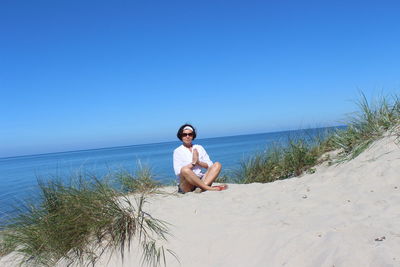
(329, 218)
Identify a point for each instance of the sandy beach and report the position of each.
(341, 215)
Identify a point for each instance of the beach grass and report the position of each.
(141, 181)
(372, 120)
(301, 153)
(78, 222)
(280, 161)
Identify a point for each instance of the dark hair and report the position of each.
(180, 131)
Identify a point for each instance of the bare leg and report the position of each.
(189, 180)
(212, 173)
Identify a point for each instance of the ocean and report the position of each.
(19, 175)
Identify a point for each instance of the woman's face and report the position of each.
(187, 137)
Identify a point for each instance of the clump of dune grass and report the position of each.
(280, 161)
(298, 154)
(370, 123)
(301, 154)
(5, 247)
(78, 222)
(141, 181)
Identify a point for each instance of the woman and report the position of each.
(190, 159)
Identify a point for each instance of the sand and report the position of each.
(341, 215)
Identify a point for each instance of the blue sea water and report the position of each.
(19, 175)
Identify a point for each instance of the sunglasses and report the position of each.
(186, 134)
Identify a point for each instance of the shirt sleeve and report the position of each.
(203, 156)
(179, 161)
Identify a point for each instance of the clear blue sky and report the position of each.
(89, 74)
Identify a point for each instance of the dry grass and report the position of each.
(78, 222)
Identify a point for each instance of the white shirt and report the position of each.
(183, 156)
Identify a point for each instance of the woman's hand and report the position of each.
(195, 158)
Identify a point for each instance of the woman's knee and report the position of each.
(186, 170)
(217, 165)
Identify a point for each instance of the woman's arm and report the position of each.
(202, 164)
(203, 160)
(198, 162)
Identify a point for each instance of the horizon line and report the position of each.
(141, 144)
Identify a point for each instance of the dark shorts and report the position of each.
(183, 192)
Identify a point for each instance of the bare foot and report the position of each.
(220, 187)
